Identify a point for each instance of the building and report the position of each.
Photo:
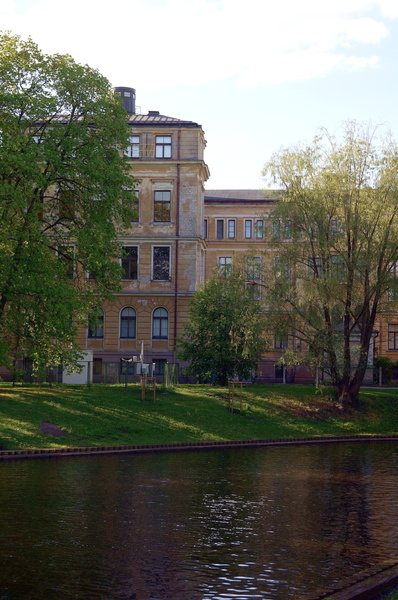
(234, 225)
(181, 233)
(164, 248)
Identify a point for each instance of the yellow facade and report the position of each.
(165, 244)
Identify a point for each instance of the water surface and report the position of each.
(261, 523)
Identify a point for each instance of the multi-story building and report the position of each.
(235, 224)
(164, 248)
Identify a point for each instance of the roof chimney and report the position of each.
(128, 98)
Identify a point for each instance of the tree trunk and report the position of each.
(349, 392)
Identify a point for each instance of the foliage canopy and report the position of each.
(336, 249)
(223, 338)
(64, 191)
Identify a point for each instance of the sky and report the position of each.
(257, 75)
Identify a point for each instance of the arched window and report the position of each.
(160, 324)
(128, 322)
(96, 325)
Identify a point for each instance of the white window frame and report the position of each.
(133, 150)
(163, 149)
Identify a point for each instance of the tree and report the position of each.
(64, 192)
(336, 244)
(223, 336)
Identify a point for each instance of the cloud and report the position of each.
(153, 43)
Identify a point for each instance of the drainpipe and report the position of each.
(178, 185)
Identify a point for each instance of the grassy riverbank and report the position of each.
(112, 415)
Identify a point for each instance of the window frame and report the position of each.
(154, 248)
(224, 263)
(129, 261)
(164, 204)
(163, 149)
(260, 229)
(70, 267)
(160, 364)
(97, 332)
(231, 229)
(248, 229)
(219, 229)
(129, 319)
(162, 323)
(66, 204)
(281, 341)
(135, 205)
(133, 150)
(276, 229)
(392, 335)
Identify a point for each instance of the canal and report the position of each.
(259, 523)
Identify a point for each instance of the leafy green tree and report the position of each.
(64, 192)
(223, 337)
(335, 235)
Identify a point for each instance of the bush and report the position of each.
(386, 365)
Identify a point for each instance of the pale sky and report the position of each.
(257, 75)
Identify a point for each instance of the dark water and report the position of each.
(269, 523)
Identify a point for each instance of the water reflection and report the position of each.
(270, 523)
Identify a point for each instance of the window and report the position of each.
(163, 146)
(231, 228)
(281, 341)
(126, 367)
(135, 206)
(276, 229)
(133, 150)
(220, 229)
(159, 366)
(205, 229)
(288, 230)
(254, 267)
(248, 228)
(260, 229)
(97, 366)
(254, 273)
(66, 205)
(66, 255)
(130, 262)
(281, 268)
(96, 326)
(393, 336)
(128, 323)
(160, 324)
(162, 205)
(161, 263)
(393, 289)
(224, 263)
(338, 266)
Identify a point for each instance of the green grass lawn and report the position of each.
(106, 415)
